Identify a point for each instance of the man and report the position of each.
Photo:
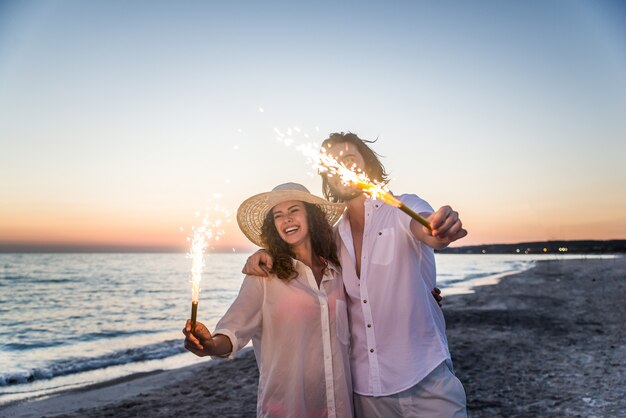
(401, 366)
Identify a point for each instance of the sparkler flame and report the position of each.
(209, 229)
(326, 163)
(198, 245)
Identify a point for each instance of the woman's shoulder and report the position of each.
(270, 278)
(252, 277)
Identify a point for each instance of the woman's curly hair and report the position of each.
(322, 241)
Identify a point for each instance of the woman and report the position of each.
(296, 317)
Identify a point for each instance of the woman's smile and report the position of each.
(290, 220)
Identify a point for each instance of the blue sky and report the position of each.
(128, 114)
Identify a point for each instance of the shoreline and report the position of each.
(469, 287)
(544, 342)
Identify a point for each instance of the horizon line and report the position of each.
(9, 248)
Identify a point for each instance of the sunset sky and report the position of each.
(118, 120)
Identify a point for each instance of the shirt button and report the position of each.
(371, 350)
(369, 325)
(380, 233)
(365, 301)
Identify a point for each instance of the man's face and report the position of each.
(347, 154)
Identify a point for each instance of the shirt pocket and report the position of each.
(341, 322)
(384, 247)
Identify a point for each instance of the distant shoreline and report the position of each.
(544, 247)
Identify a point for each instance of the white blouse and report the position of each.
(300, 337)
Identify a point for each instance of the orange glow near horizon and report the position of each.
(108, 230)
(129, 231)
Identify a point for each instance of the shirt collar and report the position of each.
(332, 267)
(373, 203)
(369, 204)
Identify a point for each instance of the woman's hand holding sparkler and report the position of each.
(446, 228)
(202, 343)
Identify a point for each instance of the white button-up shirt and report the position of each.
(397, 329)
(300, 337)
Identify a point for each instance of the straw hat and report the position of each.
(252, 211)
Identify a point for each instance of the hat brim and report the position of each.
(252, 211)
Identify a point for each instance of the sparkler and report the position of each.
(326, 163)
(377, 191)
(208, 230)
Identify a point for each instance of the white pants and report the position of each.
(438, 395)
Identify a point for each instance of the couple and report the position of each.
(344, 323)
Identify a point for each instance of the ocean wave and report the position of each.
(78, 365)
(24, 280)
(11, 278)
(89, 337)
(31, 345)
(108, 334)
(54, 281)
(467, 277)
(452, 279)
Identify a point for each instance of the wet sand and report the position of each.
(548, 342)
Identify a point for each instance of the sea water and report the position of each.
(69, 320)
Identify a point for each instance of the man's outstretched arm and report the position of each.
(447, 228)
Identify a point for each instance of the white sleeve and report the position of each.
(415, 203)
(243, 319)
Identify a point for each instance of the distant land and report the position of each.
(544, 247)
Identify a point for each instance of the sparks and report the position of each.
(323, 162)
(209, 229)
(326, 163)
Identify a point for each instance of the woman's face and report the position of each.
(290, 220)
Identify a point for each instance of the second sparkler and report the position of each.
(210, 229)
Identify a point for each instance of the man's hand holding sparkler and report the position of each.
(446, 228)
(258, 264)
(202, 343)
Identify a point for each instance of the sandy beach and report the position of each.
(545, 343)
(548, 342)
